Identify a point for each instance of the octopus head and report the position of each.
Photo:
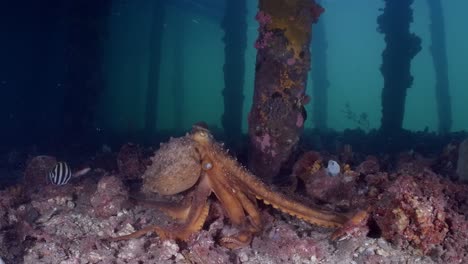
(201, 134)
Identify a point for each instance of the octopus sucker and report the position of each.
(314, 221)
(203, 216)
(204, 167)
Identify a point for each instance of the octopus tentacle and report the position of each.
(185, 230)
(226, 196)
(178, 211)
(247, 181)
(252, 212)
(137, 234)
(244, 237)
(196, 216)
(237, 241)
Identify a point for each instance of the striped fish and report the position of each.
(60, 174)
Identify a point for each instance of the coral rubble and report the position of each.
(411, 214)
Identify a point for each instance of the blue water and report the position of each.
(354, 58)
(34, 65)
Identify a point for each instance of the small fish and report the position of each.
(60, 174)
(195, 21)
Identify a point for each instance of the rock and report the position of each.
(109, 197)
(130, 161)
(37, 169)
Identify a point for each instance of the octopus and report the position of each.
(203, 166)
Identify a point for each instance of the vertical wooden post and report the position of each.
(276, 119)
(401, 47)
(235, 27)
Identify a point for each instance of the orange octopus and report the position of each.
(209, 169)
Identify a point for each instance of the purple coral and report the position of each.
(263, 40)
(265, 36)
(263, 18)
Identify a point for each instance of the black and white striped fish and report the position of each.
(60, 174)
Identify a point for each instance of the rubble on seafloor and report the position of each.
(415, 216)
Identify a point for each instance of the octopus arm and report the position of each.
(252, 211)
(227, 196)
(196, 217)
(248, 182)
(236, 205)
(178, 211)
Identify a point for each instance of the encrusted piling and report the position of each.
(276, 119)
(401, 47)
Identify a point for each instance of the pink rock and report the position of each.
(282, 242)
(368, 166)
(413, 210)
(109, 197)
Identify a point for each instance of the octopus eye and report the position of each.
(201, 133)
(207, 165)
